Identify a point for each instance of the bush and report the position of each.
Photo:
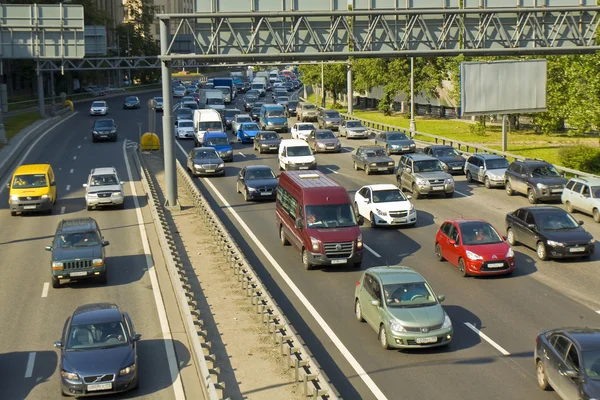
(581, 157)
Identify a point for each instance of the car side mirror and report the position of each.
(58, 344)
(241, 177)
(570, 373)
(580, 222)
(48, 248)
(85, 185)
(137, 337)
(441, 298)
(562, 173)
(298, 223)
(504, 238)
(531, 226)
(452, 242)
(121, 182)
(481, 167)
(52, 183)
(8, 185)
(105, 243)
(375, 303)
(367, 201)
(409, 197)
(408, 170)
(231, 142)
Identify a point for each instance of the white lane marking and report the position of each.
(329, 169)
(71, 171)
(598, 311)
(241, 154)
(347, 148)
(30, 363)
(85, 138)
(372, 251)
(160, 306)
(62, 210)
(45, 289)
(79, 146)
(74, 157)
(460, 193)
(68, 187)
(40, 137)
(487, 339)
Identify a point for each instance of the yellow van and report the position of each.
(32, 189)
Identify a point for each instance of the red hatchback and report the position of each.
(475, 247)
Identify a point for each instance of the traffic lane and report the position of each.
(332, 295)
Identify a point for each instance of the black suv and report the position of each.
(77, 251)
(537, 179)
(104, 129)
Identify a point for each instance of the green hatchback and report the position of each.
(399, 304)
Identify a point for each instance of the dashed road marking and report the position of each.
(62, 210)
(241, 154)
(79, 146)
(68, 187)
(45, 289)
(460, 193)
(376, 254)
(329, 169)
(30, 364)
(487, 339)
(74, 157)
(71, 171)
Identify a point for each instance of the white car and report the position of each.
(184, 129)
(99, 108)
(301, 130)
(238, 120)
(295, 154)
(104, 188)
(384, 205)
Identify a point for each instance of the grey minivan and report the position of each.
(423, 175)
(486, 168)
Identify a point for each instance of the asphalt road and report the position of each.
(495, 319)
(32, 312)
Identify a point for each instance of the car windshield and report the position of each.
(217, 141)
(269, 136)
(353, 124)
(230, 113)
(332, 114)
(224, 90)
(498, 163)
(555, 221)
(98, 104)
(251, 97)
(374, 153)
(262, 173)
(256, 110)
(244, 118)
(306, 127)
(544, 172)
(388, 196)
(103, 124)
(257, 86)
(325, 135)
(186, 124)
(292, 104)
(103, 180)
(192, 105)
(595, 192)
(428, 166)
(309, 107)
(275, 113)
(94, 336)
(591, 363)
(158, 99)
(29, 181)
(214, 101)
(250, 127)
(131, 98)
(205, 154)
(445, 152)
(477, 232)
(330, 216)
(397, 136)
(77, 239)
(408, 295)
(298, 151)
(210, 126)
(285, 99)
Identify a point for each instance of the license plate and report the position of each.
(105, 201)
(303, 167)
(382, 169)
(496, 265)
(405, 147)
(29, 207)
(576, 249)
(99, 386)
(273, 147)
(426, 340)
(437, 188)
(557, 190)
(339, 261)
(266, 193)
(82, 273)
(210, 170)
(456, 168)
(399, 220)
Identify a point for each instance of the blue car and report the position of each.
(220, 142)
(247, 131)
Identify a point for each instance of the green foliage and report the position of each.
(479, 128)
(582, 158)
(334, 77)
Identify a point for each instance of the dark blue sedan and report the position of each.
(257, 182)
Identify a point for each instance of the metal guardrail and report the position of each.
(463, 147)
(307, 371)
(188, 307)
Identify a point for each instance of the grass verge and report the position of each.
(15, 124)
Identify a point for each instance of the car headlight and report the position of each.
(447, 322)
(413, 145)
(316, 244)
(592, 241)
(95, 132)
(472, 256)
(510, 253)
(396, 327)
(72, 376)
(97, 262)
(269, 123)
(222, 165)
(394, 146)
(117, 194)
(359, 242)
(264, 145)
(229, 151)
(245, 134)
(421, 182)
(113, 131)
(127, 370)
(291, 163)
(251, 189)
(45, 196)
(412, 209)
(449, 181)
(555, 244)
(197, 166)
(14, 197)
(541, 186)
(373, 164)
(57, 265)
(321, 144)
(380, 212)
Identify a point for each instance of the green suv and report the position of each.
(78, 251)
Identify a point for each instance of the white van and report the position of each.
(213, 98)
(294, 154)
(206, 120)
(260, 85)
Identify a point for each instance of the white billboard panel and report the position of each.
(503, 87)
(526, 3)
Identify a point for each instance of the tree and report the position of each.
(334, 77)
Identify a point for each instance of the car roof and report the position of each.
(32, 169)
(185, 120)
(96, 313)
(586, 338)
(396, 274)
(105, 119)
(323, 130)
(593, 181)
(420, 157)
(537, 209)
(204, 148)
(388, 132)
(382, 186)
(440, 146)
(530, 161)
(215, 134)
(374, 147)
(256, 167)
(76, 225)
(487, 156)
(103, 171)
(293, 142)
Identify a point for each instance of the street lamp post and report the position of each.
(413, 126)
(322, 84)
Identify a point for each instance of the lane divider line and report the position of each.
(487, 339)
(598, 311)
(79, 146)
(330, 170)
(71, 171)
(68, 187)
(371, 251)
(62, 210)
(45, 289)
(30, 364)
(74, 157)
(241, 154)
(460, 193)
(160, 306)
(320, 320)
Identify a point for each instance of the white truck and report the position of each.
(206, 120)
(260, 84)
(212, 98)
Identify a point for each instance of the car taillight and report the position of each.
(357, 283)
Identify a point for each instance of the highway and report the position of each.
(496, 320)
(33, 313)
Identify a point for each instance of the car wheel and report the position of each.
(93, 139)
(13, 213)
(462, 268)
(383, 341)
(569, 207)
(103, 278)
(542, 379)
(357, 265)
(415, 192)
(356, 211)
(55, 282)
(508, 188)
(511, 238)
(372, 220)
(282, 238)
(596, 215)
(540, 249)
(449, 195)
(487, 182)
(358, 311)
(259, 150)
(469, 177)
(307, 265)
(90, 208)
(438, 252)
(355, 166)
(531, 196)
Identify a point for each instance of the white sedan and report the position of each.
(184, 129)
(99, 108)
(384, 205)
(301, 130)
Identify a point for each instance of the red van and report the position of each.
(315, 215)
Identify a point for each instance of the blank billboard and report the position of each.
(503, 87)
(526, 3)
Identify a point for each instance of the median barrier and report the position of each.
(69, 104)
(149, 142)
